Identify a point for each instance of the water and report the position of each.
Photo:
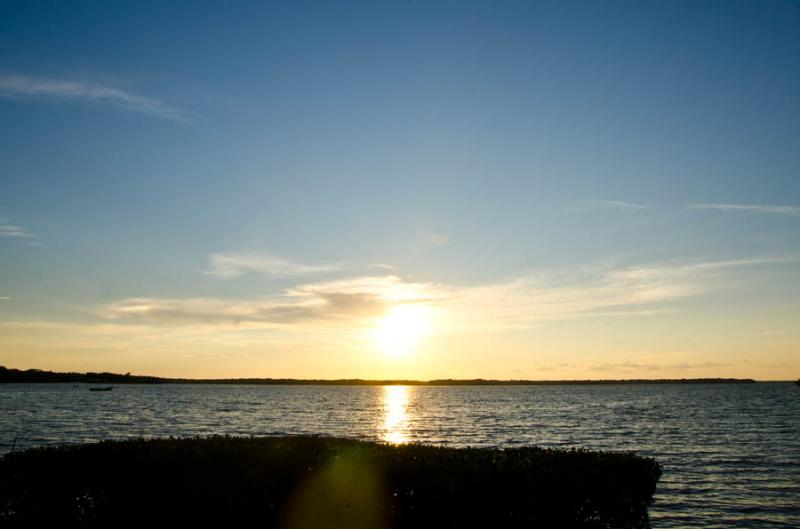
(731, 453)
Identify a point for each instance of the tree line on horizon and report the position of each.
(8, 375)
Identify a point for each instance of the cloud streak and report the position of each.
(537, 298)
(522, 302)
(9, 230)
(348, 301)
(439, 239)
(677, 366)
(750, 208)
(590, 205)
(233, 265)
(211, 311)
(21, 86)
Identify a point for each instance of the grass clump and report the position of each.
(319, 482)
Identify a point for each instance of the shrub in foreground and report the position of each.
(318, 482)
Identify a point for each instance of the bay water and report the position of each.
(730, 452)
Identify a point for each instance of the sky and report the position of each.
(442, 189)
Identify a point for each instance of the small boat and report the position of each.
(101, 388)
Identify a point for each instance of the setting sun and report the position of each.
(400, 264)
(399, 332)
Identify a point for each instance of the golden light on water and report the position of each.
(395, 423)
(400, 332)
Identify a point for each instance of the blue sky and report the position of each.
(210, 159)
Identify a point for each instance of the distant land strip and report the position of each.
(41, 376)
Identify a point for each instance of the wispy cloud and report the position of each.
(232, 265)
(345, 300)
(5, 298)
(388, 288)
(522, 302)
(22, 86)
(214, 311)
(589, 205)
(12, 230)
(439, 239)
(676, 366)
(750, 208)
(605, 292)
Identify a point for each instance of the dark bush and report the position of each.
(307, 482)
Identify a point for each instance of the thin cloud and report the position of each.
(750, 208)
(389, 288)
(21, 86)
(637, 366)
(345, 300)
(211, 311)
(439, 239)
(13, 231)
(5, 298)
(589, 205)
(523, 302)
(233, 265)
(536, 298)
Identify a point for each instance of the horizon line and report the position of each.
(129, 378)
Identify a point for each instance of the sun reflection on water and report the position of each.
(395, 423)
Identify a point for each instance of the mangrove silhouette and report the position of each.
(39, 376)
(315, 482)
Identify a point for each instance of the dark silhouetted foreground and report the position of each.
(318, 482)
(40, 376)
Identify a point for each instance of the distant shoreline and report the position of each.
(40, 376)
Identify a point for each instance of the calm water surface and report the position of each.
(731, 453)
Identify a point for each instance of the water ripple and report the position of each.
(731, 454)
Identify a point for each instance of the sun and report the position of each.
(399, 332)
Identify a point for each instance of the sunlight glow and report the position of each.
(395, 424)
(399, 332)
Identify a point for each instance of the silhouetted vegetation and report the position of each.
(37, 375)
(321, 482)
(40, 376)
